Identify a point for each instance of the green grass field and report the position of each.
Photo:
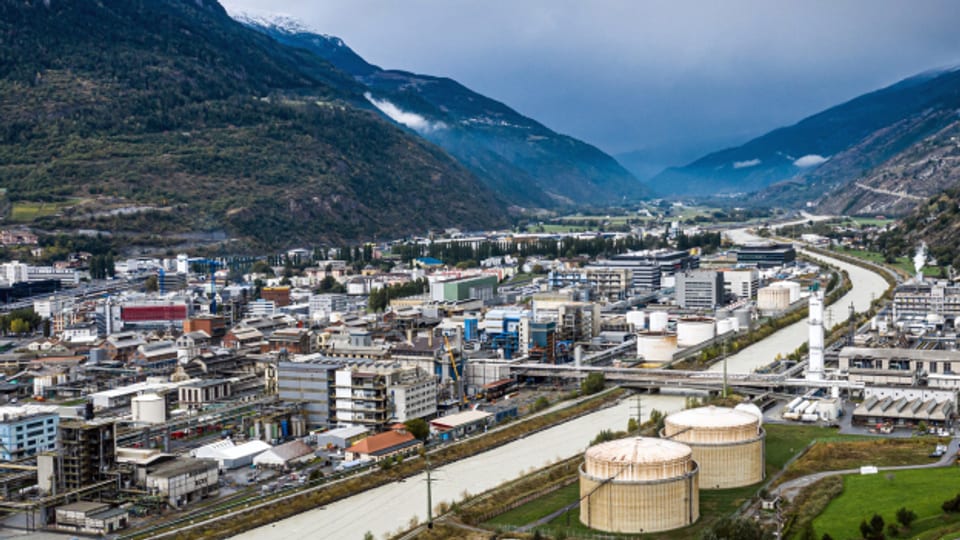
(25, 212)
(785, 441)
(529, 513)
(560, 228)
(904, 264)
(922, 491)
(871, 221)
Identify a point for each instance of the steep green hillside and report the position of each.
(171, 104)
(935, 222)
(523, 160)
(827, 149)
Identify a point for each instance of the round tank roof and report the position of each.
(713, 417)
(147, 397)
(750, 408)
(639, 450)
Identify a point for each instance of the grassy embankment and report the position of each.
(920, 490)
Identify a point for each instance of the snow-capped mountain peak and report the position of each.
(281, 22)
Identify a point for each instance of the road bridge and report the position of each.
(674, 378)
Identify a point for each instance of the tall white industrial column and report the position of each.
(815, 320)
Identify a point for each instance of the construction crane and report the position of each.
(456, 370)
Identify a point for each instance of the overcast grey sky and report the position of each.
(630, 74)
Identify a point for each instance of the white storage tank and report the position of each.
(656, 346)
(149, 409)
(727, 444)
(637, 319)
(639, 484)
(773, 298)
(752, 409)
(725, 325)
(695, 330)
(744, 316)
(658, 321)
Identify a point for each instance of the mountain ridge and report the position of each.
(515, 155)
(799, 156)
(172, 103)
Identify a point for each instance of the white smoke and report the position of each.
(414, 121)
(744, 164)
(809, 160)
(920, 259)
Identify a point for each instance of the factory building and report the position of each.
(310, 383)
(766, 255)
(906, 407)
(701, 289)
(907, 367)
(26, 430)
(483, 287)
(741, 284)
(918, 300)
(639, 485)
(727, 444)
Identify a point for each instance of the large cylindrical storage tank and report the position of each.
(773, 298)
(658, 321)
(727, 444)
(695, 330)
(149, 408)
(637, 319)
(743, 316)
(639, 484)
(656, 346)
(725, 325)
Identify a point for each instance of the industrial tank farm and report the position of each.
(728, 444)
(639, 484)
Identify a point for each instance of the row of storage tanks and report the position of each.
(646, 484)
(656, 344)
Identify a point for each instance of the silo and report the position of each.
(725, 325)
(149, 409)
(656, 346)
(695, 330)
(743, 316)
(658, 321)
(637, 319)
(727, 444)
(773, 298)
(639, 484)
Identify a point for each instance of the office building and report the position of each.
(700, 289)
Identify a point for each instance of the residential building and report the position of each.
(377, 393)
(384, 446)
